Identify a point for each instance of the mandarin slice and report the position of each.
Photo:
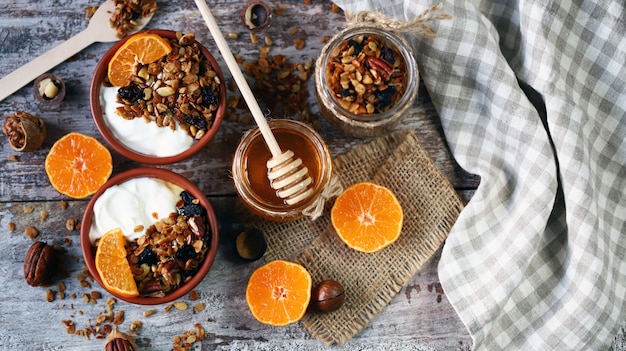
(279, 292)
(77, 165)
(367, 217)
(112, 265)
(141, 48)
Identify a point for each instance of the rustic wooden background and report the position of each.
(418, 318)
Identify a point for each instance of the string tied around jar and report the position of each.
(316, 209)
(418, 25)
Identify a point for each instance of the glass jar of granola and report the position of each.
(365, 80)
(250, 172)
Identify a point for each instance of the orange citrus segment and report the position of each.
(279, 292)
(141, 48)
(78, 165)
(112, 265)
(367, 217)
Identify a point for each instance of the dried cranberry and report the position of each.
(388, 55)
(208, 98)
(131, 94)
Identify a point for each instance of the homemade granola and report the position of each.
(128, 12)
(365, 75)
(171, 250)
(182, 86)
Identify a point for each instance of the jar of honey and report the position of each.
(366, 79)
(250, 172)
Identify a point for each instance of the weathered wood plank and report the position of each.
(27, 30)
(419, 317)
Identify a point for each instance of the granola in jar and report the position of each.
(365, 79)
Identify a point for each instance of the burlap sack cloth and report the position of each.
(430, 206)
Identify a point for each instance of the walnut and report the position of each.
(25, 131)
(38, 264)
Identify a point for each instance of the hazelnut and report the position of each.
(118, 341)
(49, 89)
(256, 15)
(38, 264)
(25, 131)
(328, 296)
(250, 245)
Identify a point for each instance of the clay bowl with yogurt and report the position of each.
(170, 228)
(146, 121)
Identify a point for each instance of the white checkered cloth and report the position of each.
(536, 261)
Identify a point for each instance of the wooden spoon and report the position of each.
(98, 30)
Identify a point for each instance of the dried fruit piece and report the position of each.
(112, 265)
(141, 48)
(367, 217)
(78, 165)
(279, 292)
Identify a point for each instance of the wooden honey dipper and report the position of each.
(289, 177)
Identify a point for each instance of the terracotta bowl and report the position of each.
(96, 109)
(89, 251)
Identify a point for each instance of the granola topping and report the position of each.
(179, 91)
(127, 12)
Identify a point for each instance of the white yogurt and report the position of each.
(138, 134)
(138, 201)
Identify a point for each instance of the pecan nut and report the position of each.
(25, 131)
(38, 264)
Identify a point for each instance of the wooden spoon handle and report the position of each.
(33, 69)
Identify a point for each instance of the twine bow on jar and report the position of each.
(418, 25)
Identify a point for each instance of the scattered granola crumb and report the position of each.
(186, 341)
(50, 295)
(44, 215)
(254, 39)
(13, 158)
(199, 307)
(11, 226)
(31, 232)
(300, 43)
(148, 313)
(293, 31)
(180, 305)
(193, 295)
(63, 204)
(28, 209)
(70, 224)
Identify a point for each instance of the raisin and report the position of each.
(185, 252)
(346, 93)
(208, 98)
(196, 121)
(384, 97)
(131, 94)
(388, 55)
(357, 47)
(186, 197)
(148, 257)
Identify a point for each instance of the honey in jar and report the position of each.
(250, 172)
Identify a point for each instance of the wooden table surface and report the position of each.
(418, 318)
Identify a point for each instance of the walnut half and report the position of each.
(25, 131)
